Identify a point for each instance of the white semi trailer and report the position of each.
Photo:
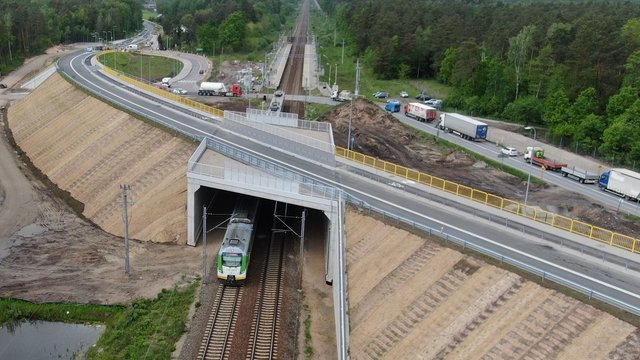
(465, 126)
(623, 182)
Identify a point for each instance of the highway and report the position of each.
(490, 151)
(588, 271)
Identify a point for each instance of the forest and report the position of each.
(571, 68)
(218, 26)
(28, 27)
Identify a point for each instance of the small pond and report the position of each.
(47, 340)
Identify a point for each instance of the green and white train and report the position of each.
(235, 251)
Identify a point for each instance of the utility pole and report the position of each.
(126, 188)
(342, 51)
(336, 81)
(357, 93)
(349, 133)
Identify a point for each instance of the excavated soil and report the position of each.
(380, 135)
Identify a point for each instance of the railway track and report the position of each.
(265, 326)
(221, 324)
(292, 82)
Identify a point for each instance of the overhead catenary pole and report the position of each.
(126, 188)
(342, 51)
(204, 243)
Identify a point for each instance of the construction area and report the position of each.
(424, 301)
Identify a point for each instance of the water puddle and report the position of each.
(47, 340)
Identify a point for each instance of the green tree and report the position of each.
(585, 104)
(519, 51)
(632, 70)
(525, 110)
(556, 113)
(621, 140)
(446, 66)
(234, 29)
(620, 102)
(631, 32)
(540, 72)
(589, 132)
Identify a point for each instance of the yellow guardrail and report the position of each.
(514, 207)
(164, 93)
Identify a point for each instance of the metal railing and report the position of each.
(280, 132)
(163, 93)
(308, 185)
(561, 222)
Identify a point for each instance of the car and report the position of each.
(201, 72)
(278, 93)
(274, 106)
(381, 95)
(509, 151)
(3, 86)
(179, 91)
(423, 97)
(404, 94)
(434, 103)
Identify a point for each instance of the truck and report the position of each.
(466, 127)
(582, 176)
(622, 182)
(392, 106)
(219, 89)
(344, 95)
(420, 112)
(535, 156)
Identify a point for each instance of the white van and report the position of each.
(166, 80)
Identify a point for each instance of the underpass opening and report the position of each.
(303, 227)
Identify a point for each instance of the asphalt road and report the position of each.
(490, 150)
(586, 270)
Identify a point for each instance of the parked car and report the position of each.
(381, 95)
(179, 91)
(423, 97)
(404, 94)
(434, 103)
(201, 72)
(3, 86)
(278, 93)
(509, 151)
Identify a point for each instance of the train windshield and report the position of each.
(231, 259)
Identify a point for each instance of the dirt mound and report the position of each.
(89, 149)
(377, 133)
(431, 302)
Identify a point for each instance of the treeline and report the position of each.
(29, 26)
(229, 25)
(573, 68)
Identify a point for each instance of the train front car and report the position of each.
(235, 251)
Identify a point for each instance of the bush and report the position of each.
(525, 110)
